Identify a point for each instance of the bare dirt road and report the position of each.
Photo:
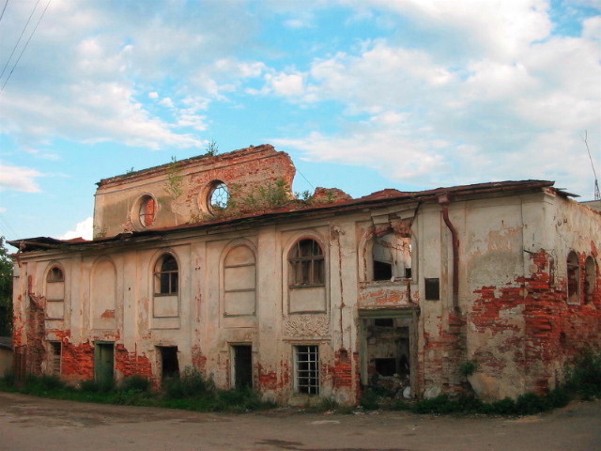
(29, 423)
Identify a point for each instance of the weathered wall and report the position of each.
(181, 190)
(510, 315)
(522, 331)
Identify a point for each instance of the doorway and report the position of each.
(169, 362)
(104, 362)
(388, 351)
(242, 363)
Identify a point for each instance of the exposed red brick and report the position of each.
(554, 331)
(268, 379)
(108, 314)
(77, 361)
(132, 363)
(199, 360)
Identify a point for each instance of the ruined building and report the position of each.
(211, 263)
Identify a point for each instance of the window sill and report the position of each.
(293, 287)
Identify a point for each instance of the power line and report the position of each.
(3, 9)
(596, 194)
(6, 227)
(19, 40)
(26, 44)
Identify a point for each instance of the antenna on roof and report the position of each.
(596, 195)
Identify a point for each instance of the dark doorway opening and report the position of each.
(243, 374)
(169, 362)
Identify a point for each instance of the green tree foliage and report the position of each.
(6, 291)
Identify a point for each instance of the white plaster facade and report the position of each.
(487, 253)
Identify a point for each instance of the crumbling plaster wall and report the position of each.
(521, 330)
(182, 189)
(440, 331)
(202, 332)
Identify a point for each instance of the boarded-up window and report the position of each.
(239, 281)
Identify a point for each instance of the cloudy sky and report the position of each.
(364, 94)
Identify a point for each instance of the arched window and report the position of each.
(55, 275)
(166, 276)
(391, 255)
(306, 261)
(573, 278)
(590, 278)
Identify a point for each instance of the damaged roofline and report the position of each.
(285, 213)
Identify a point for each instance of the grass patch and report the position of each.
(190, 392)
(584, 378)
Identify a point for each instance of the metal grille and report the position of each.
(307, 369)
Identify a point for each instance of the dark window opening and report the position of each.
(382, 270)
(432, 289)
(169, 362)
(306, 264)
(386, 367)
(307, 369)
(391, 256)
(55, 275)
(55, 358)
(167, 276)
(384, 322)
(242, 366)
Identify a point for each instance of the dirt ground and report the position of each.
(29, 423)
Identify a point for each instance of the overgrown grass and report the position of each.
(584, 378)
(190, 392)
(526, 404)
(583, 381)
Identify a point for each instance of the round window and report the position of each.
(147, 211)
(219, 197)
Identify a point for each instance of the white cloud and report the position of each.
(19, 179)
(83, 229)
(287, 84)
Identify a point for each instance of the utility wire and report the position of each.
(3, 9)
(19, 40)
(306, 180)
(26, 44)
(596, 194)
(6, 228)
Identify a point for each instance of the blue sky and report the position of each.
(364, 94)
